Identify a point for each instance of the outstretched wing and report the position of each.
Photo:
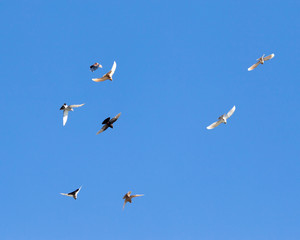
(66, 194)
(253, 66)
(72, 106)
(106, 120)
(215, 124)
(115, 118)
(269, 57)
(137, 195)
(113, 69)
(102, 129)
(104, 78)
(229, 114)
(124, 204)
(65, 117)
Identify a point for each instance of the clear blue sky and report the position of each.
(181, 64)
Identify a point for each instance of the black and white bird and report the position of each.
(66, 109)
(108, 123)
(128, 197)
(222, 119)
(261, 60)
(72, 194)
(95, 66)
(107, 76)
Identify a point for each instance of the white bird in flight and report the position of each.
(222, 119)
(107, 76)
(72, 194)
(261, 60)
(66, 109)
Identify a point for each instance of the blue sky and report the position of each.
(180, 64)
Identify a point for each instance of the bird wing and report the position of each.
(124, 203)
(229, 114)
(137, 195)
(72, 106)
(66, 194)
(102, 129)
(65, 117)
(104, 78)
(115, 118)
(253, 66)
(215, 124)
(269, 57)
(113, 69)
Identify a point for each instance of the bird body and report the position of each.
(222, 119)
(66, 108)
(128, 197)
(107, 76)
(72, 194)
(261, 60)
(108, 122)
(95, 66)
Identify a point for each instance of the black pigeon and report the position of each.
(108, 123)
(72, 194)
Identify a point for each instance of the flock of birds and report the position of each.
(108, 122)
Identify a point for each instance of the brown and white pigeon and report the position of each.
(107, 76)
(261, 60)
(128, 197)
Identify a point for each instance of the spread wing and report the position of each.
(124, 204)
(102, 129)
(113, 69)
(269, 57)
(72, 106)
(253, 66)
(65, 117)
(215, 124)
(115, 118)
(66, 194)
(137, 195)
(104, 78)
(229, 114)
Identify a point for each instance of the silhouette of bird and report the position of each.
(261, 60)
(66, 109)
(107, 76)
(129, 197)
(222, 119)
(72, 194)
(108, 123)
(95, 66)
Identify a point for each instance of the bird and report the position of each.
(108, 123)
(95, 66)
(72, 194)
(222, 119)
(129, 197)
(66, 109)
(107, 76)
(261, 60)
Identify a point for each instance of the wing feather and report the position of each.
(113, 69)
(229, 114)
(253, 66)
(115, 118)
(104, 78)
(65, 117)
(215, 124)
(269, 57)
(102, 129)
(79, 105)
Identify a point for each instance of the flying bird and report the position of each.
(129, 197)
(66, 109)
(95, 66)
(107, 76)
(72, 194)
(261, 60)
(222, 119)
(108, 123)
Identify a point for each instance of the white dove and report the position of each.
(66, 109)
(261, 60)
(107, 76)
(222, 119)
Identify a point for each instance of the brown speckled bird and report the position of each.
(128, 197)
